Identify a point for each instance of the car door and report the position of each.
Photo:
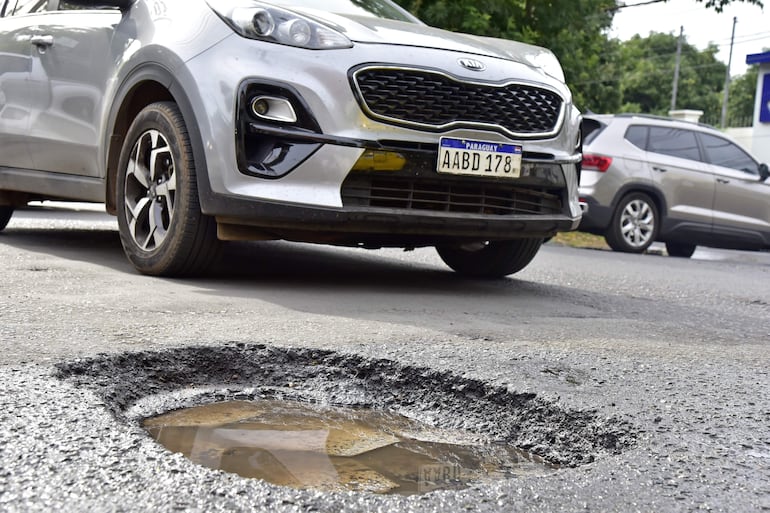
(75, 66)
(15, 67)
(677, 168)
(742, 200)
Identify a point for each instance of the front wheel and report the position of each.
(493, 259)
(676, 249)
(634, 224)
(161, 226)
(5, 216)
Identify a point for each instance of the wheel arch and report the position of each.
(146, 85)
(651, 190)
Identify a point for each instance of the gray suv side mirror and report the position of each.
(764, 172)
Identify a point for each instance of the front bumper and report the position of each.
(412, 206)
(295, 181)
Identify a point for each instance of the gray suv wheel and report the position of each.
(634, 224)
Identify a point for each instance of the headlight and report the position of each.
(268, 23)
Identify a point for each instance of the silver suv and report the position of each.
(649, 179)
(341, 122)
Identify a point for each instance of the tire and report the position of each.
(5, 216)
(634, 224)
(490, 260)
(161, 226)
(676, 249)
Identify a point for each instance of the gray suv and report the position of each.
(647, 179)
(341, 122)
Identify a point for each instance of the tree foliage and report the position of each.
(719, 5)
(646, 68)
(605, 75)
(741, 98)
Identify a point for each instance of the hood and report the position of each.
(363, 29)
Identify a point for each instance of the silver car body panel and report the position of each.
(740, 201)
(688, 186)
(16, 64)
(68, 108)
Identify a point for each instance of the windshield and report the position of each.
(371, 8)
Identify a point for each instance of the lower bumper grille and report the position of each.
(441, 196)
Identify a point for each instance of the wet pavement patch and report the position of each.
(305, 445)
(451, 422)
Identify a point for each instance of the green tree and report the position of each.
(646, 67)
(740, 102)
(575, 30)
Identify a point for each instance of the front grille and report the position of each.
(433, 100)
(408, 193)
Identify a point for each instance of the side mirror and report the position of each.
(764, 172)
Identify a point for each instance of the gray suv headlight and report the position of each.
(256, 20)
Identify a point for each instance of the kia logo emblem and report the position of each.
(472, 64)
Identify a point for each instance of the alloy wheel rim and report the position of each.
(150, 190)
(637, 223)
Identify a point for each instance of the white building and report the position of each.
(760, 145)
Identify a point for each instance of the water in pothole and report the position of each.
(305, 445)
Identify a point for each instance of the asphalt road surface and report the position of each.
(644, 377)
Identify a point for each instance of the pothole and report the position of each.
(305, 445)
(346, 413)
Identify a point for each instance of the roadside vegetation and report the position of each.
(580, 240)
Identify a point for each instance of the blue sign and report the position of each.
(470, 145)
(764, 104)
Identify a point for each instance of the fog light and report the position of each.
(374, 160)
(260, 107)
(273, 109)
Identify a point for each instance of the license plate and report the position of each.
(479, 158)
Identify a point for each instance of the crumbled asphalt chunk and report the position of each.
(171, 379)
